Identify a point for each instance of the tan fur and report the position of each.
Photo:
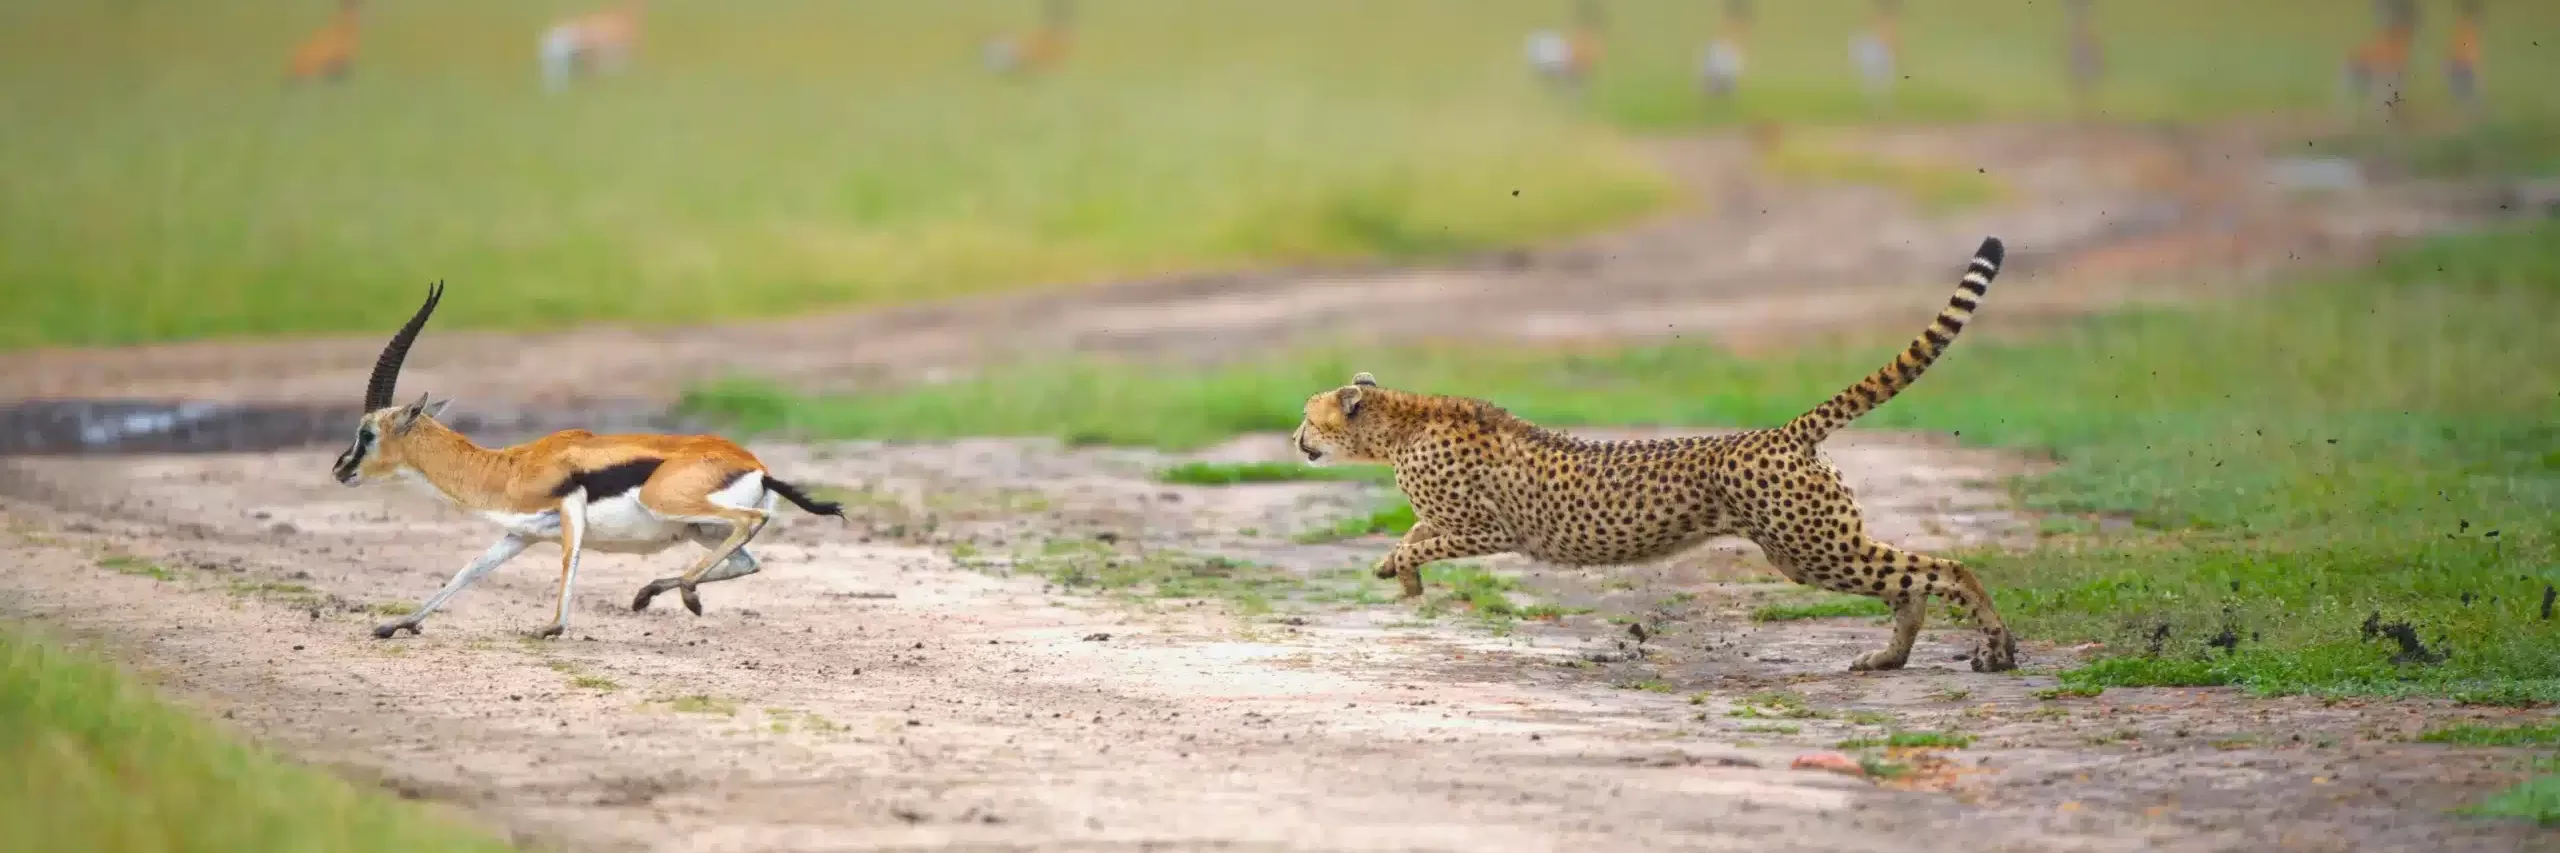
(617, 27)
(1042, 49)
(1484, 482)
(540, 488)
(330, 51)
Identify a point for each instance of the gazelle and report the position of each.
(1876, 50)
(1720, 68)
(601, 42)
(329, 51)
(1568, 57)
(1039, 50)
(624, 494)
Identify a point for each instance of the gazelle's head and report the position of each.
(379, 449)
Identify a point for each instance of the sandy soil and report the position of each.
(928, 678)
(915, 682)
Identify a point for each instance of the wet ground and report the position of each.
(1016, 645)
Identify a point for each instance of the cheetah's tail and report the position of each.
(1857, 400)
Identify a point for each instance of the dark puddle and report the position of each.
(72, 427)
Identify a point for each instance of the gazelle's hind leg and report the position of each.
(739, 564)
(709, 495)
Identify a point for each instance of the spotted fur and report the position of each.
(1485, 482)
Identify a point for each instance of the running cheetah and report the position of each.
(1484, 482)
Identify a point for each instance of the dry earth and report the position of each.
(957, 670)
(928, 679)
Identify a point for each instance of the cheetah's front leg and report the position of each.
(1432, 545)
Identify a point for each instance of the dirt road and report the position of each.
(927, 680)
(1022, 646)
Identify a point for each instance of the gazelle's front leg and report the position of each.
(506, 548)
(573, 533)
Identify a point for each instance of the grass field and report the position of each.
(773, 156)
(2345, 488)
(90, 760)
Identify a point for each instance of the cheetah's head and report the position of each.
(1334, 429)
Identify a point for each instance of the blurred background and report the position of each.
(2280, 301)
(173, 174)
(269, 170)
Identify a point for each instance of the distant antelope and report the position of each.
(597, 42)
(1041, 49)
(1877, 50)
(1567, 58)
(2462, 57)
(624, 494)
(1720, 69)
(330, 51)
(2085, 60)
(2379, 65)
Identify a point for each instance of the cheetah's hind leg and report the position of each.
(1905, 581)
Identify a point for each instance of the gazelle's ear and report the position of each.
(436, 409)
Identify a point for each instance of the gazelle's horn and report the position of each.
(386, 369)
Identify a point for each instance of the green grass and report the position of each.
(1248, 588)
(2001, 59)
(2354, 477)
(1933, 187)
(91, 760)
(2536, 799)
(2512, 146)
(1826, 607)
(1911, 740)
(701, 704)
(126, 564)
(764, 157)
(768, 157)
(1234, 473)
(1393, 516)
(2542, 734)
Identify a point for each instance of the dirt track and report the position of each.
(922, 681)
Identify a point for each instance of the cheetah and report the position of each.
(1485, 482)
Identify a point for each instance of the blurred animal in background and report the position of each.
(2462, 57)
(599, 42)
(1720, 68)
(2378, 66)
(329, 52)
(617, 494)
(1875, 50)
(1041, 49)
(1567, 58)
(2085, 60)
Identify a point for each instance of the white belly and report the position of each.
(622, 525)
(618, 525)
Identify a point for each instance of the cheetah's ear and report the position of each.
(1349, 399)
(1363, 378)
